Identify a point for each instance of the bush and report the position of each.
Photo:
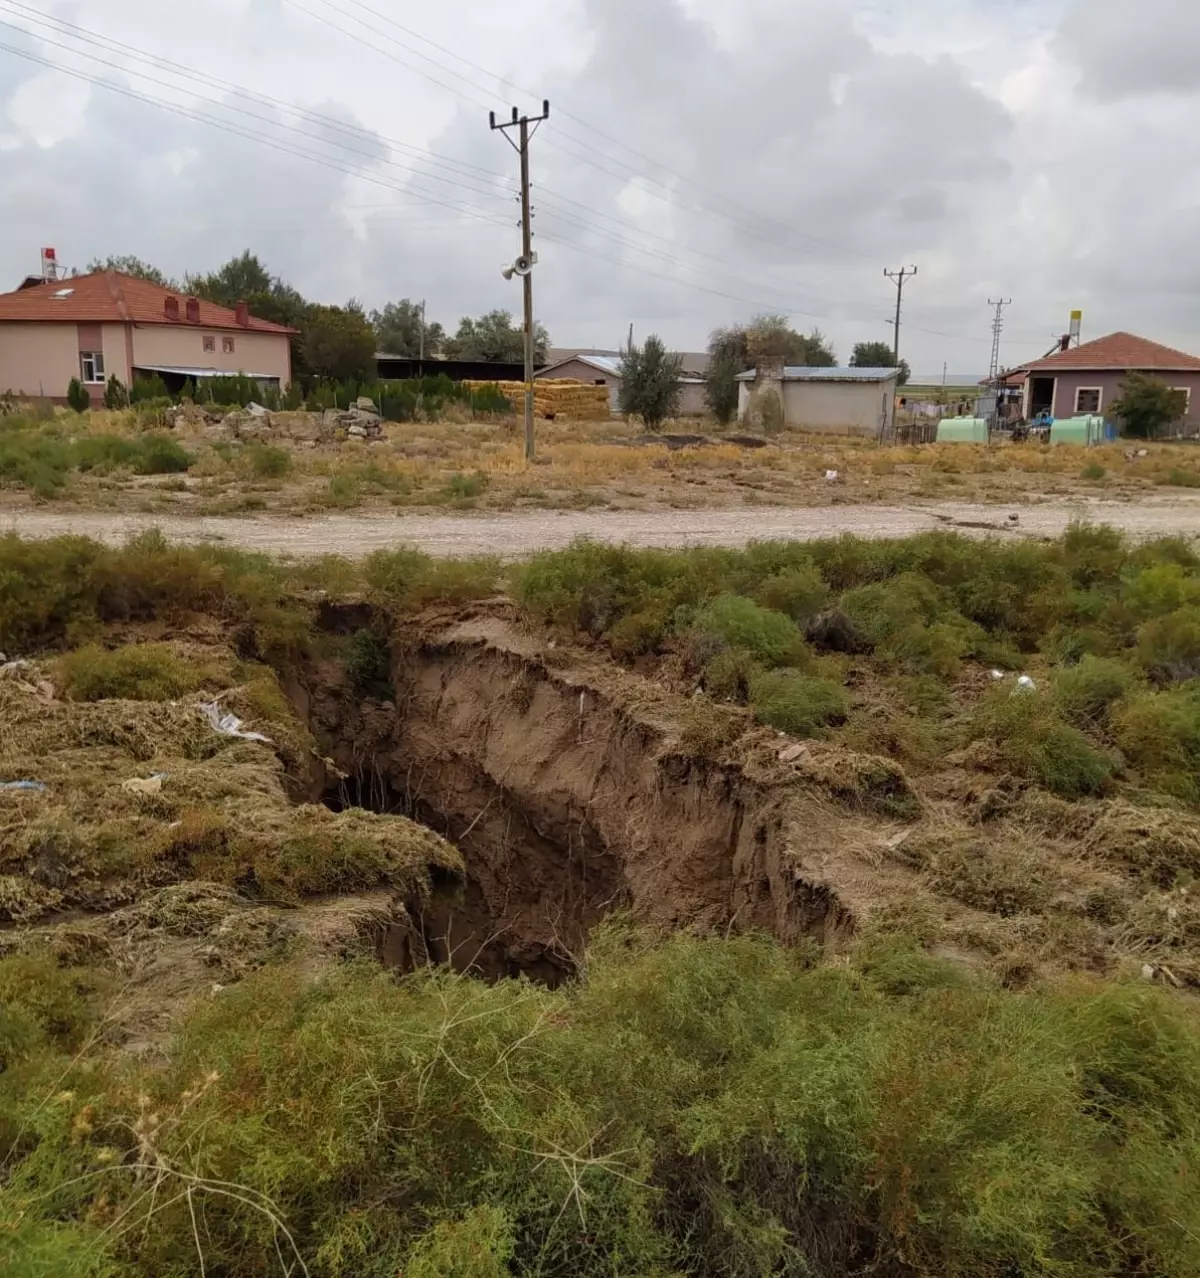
(729, 674)
(768, 636)
(798, 592)
(1159, 733)
(145, 389)
(650, 382)
(115, 394)
(137, 672)
(1147, 405)
(742, 1111)
(267, 461)
(1035, 742)
(77, 396)
(1169, 647)
(1085, 693)
(797, 703)
(162, 455)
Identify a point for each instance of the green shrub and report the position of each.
(115, 394)
(146, 389)
(43, 1003)
(268, 461)
(797, 703)
(798, 592)
(162, 455)
(136, 672)
(400, 579)
(1035, 742)
(1177, 478)
(708, 1107)
(729, 674)
(1093, 471)
(1159, 733)
(768, 636)
(1169, 647)
(78, 397)
(467, 487)
(1085, 693)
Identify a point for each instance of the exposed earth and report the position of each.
(513, 535)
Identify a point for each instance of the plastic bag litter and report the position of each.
(831, 476)
(1025, 684)
(35, 786)
(145, 785)
(229, 725)
(997, 676)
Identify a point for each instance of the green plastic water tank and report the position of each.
(1081, 431)
(962, 430)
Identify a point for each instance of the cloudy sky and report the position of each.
(705, 160)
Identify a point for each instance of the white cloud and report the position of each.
(704, 160)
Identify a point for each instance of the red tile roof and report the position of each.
(107, 297)
(1124, 351)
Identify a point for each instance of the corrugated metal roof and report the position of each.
(183, 370)
(829, 375)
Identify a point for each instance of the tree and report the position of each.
(879, 355)
(772, 337)
(337, 344)
(236, 281)
(650, 381)
(495, 336)
(398, 330)
(115, 394)
(1147, 406)
(77, 395)
(130, 265)
(727, 357)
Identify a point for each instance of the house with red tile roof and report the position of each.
(94, 326)
(1087, 378)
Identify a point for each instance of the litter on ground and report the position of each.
(229, 725)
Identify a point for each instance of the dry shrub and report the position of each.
(1006, 879)
(1161, 845)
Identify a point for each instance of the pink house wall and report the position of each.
(1109, 383)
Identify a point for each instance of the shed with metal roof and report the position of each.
(834, 401)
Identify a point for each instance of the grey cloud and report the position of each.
(1123, 49)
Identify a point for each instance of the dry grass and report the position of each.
(586, 464)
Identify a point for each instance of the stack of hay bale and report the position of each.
(556, 397)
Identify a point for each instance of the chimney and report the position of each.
(171, 308)
(193, 310)
(1064, 342)
(242, 314)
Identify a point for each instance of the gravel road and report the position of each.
(516, 534)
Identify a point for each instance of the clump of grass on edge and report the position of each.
(136, 672)
(799, 704)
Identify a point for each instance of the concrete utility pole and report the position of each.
(904, 273)
(997, 329)
(524, 264)
(421, 357)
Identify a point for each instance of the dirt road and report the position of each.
(512, 535)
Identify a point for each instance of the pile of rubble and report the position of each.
(254, 422)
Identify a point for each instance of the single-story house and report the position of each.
(1087, 378)
(94, 326)
(835, 401)
(605, 370)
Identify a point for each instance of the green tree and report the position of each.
(115, 393)
(879, 355)
(77, 396)
(772, 337)
(398, 330)
(494, 336)
(650, 381)
(337, 344)
(127, 264)
(1147, 405)
(727, 357)
(237, 281)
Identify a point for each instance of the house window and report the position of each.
(91, 365)
(1187, 391)
(227, 345)
(1088, 399)
(210, 343)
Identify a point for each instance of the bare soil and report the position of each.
(516, 534)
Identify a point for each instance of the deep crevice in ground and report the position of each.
(565, 804)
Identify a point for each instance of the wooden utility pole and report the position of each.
(904, 273)
(524, 264)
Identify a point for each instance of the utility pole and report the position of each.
(904, 273)
(524, 265)
(422, 355)
(997, 329)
